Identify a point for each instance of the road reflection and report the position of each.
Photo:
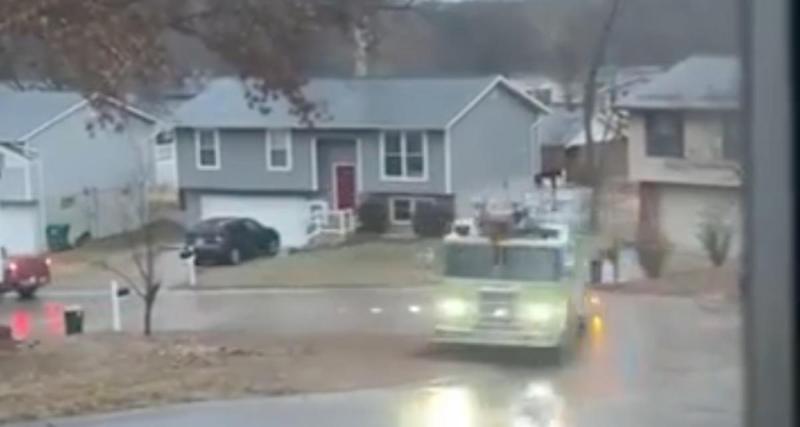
(450, 406)
(535, 405)
(37, 321)
(520, 388)
(20, 325)
(539, 406)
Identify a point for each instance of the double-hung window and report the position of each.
(207, 149)
(279, 150)
(664, 134)
(404, 155)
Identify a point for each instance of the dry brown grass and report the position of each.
(99, 373)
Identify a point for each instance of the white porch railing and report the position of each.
(341, 222)
(337, 222)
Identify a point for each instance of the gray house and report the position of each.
(54, 170)
(397, 140)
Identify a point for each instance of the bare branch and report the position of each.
(589, 98)
(124, 277)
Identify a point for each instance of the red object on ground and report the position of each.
(20, 325)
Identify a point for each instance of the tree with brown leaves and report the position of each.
(115, 47)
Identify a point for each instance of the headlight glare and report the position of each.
(453, 307)
(541, 312)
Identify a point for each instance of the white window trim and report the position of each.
(218, 152)
(404, 177)
(412, 207)
(289, 149)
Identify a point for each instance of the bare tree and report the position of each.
(589, 104)
(143, 249)
(140, 215)
(571, 43)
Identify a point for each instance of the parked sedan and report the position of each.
(24, 274)
(231, 240)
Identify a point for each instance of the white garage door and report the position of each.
(683, 209)
(288, 215)
(18, 228)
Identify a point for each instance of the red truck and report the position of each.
(23, 274)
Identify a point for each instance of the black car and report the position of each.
(231, 240)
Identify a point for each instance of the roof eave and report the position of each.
(674, 106)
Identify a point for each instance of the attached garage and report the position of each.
(289, 215)
(19, 227)
(682, 209)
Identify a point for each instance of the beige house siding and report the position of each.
(702, 163)
(678, 192)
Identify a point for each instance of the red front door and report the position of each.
(345, 186)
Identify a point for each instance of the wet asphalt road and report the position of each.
(653, 361)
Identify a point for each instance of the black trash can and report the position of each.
(596, 271)
(73, 320)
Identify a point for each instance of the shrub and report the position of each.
(716, 235)
(652, 249)
(431, 219)
(373, 216)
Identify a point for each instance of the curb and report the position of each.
(332, 287)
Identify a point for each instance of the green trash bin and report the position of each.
(58, 237)
(73, 320)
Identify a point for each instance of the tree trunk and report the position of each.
(589, 97)
(149, 303)
(148, 316)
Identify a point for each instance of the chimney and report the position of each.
(361, 57)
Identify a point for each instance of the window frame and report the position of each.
(404, 176)
(198, 150)
(412, 205)
(269, 140)
(649, 123)
(730, 123)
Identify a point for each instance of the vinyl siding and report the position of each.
(13, 176)
(701, 163)
(492, 149)
(243, 164)
(372, 164)
(91, 168)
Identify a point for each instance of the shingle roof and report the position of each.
(23, 111)
(346, 103)
(564, 128)
(558, 127)
(699, 82)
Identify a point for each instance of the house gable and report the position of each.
(14, 173)
(491, 146)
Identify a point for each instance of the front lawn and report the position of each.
(371, 263)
